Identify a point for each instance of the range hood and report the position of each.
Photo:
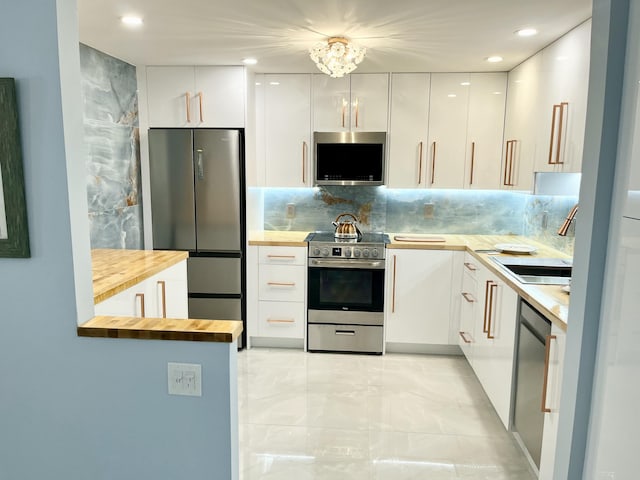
(557, 183)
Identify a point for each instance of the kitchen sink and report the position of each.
(540, 271)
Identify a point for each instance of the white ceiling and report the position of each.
(400, 35)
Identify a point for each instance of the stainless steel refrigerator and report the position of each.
(197, 204)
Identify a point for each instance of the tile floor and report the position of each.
(331, 416)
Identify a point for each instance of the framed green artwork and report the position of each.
(14, 233)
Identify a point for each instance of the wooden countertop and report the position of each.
(116, 270)
(220, 331)
(275, 238)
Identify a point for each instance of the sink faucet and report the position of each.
(567, 221)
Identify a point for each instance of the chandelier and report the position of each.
(336, 56)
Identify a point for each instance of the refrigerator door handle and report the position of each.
(199, 164)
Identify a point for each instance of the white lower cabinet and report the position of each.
(418, 296)
(164, 295)
(488, 332)
(276, 292)
(556, 347)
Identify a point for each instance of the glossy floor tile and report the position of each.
(331, 416)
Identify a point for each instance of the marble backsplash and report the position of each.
(110, 109)
(400, 210)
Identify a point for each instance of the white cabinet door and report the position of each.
(495, 341)
(195, 96)
(448, 109)
(287, 130)
(220, 95)
(330, 103)
(408, 130)
(564, 77)
(522, 120)
(418, 293)
(131, 302)
(369, 102)
(358, 102)
(468, 313)
(170, 96)
(556, 346)
(485, 129)
(281, 319)
(168, 293)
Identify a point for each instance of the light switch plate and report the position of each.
(429, 210)
(291, 210)
(185, 379)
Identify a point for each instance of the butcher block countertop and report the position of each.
(116, 270)
(274, 238)
(222, 331)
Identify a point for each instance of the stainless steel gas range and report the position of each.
(345, 293)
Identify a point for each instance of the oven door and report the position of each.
(346, 288)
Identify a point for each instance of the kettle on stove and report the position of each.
(346, 228)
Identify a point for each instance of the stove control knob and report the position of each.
(325, 252)
(316, 251)
(347, 252)
(356, 252)
(374, 253)
(365, 253)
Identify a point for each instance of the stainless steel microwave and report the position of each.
(349, 158)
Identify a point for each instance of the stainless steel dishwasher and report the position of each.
(528, 417)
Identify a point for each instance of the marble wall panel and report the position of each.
(110, 109)
(544, 215)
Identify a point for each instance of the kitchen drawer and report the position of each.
(281, 319)
(282, 255)
(470, 265)
(345, 338)
(282, 283)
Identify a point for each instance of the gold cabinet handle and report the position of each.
(344, 110)
(486, 305)
(188, 99)
(393, 289)
(200, 94)
(141, 297)
(281, 320)
(462, 334)
(163, 289)
(420, 163)
(468, 297)
(492, 287)
(547, 355)
(433, 163)
(281, 284)
(509, 156)
(473, 158)
(304, 162)
(470, 266)
(563, 105)
(357, 111)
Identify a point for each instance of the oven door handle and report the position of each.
(376, 264)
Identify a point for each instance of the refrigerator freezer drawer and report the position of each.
(214, 275)
(215, 308)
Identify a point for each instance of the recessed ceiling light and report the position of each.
(465, 84)
(497, 93)
(249, 61)
(274, 83)
(494, 59)
(527, 32)
(131, 20)
(452, 95)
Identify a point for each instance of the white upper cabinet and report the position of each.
(485, 129)
(408, 130)
(521, 124)
(447, 129)
(196, 96)
(357, 102)
(287, 130)
(564, 83)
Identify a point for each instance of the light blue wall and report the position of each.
(77, 408)
(110, 108)
(399, 210)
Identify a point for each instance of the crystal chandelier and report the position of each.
(336, 56)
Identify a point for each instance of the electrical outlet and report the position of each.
(291, 210)
(428, 210)
(185, 379)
